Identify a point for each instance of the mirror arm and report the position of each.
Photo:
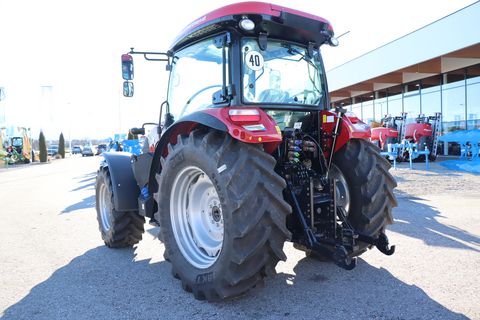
(146, 55)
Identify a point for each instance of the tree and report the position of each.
(61, 146)
(42, 147)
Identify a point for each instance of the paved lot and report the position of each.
(53, 264)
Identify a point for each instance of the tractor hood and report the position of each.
(272, 20)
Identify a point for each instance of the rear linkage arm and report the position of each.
(340, 256)
(349, 236)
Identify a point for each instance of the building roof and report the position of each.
(450, 43)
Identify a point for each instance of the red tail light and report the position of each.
(244, 115)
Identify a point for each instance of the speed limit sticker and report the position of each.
(254, 60)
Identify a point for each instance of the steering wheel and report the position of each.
(196, 94)
(273, 95)
(305, 94)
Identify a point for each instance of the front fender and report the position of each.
(124, 186)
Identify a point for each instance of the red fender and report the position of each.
(250, 129)
(256, 128)
(351, 128)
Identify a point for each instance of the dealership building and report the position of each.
(433, 69)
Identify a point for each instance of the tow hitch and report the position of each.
(381, 243)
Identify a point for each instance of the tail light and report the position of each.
(244, 115)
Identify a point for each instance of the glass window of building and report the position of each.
(411, 101)
(394, 100)
(431, 98)
(380, 107)
(473, 97)
(367, 109)
(453, 98)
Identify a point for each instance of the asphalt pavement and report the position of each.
(54, 265)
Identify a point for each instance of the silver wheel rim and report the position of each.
(342, 191)
(104, 206)
(197, 218)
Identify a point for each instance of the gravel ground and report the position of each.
(53, 264)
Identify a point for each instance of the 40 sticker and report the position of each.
(254, 60)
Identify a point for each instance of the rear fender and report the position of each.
(124, 186)
(267, 132)
(183, 126)
(351, 128)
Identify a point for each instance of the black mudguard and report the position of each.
(124, 185)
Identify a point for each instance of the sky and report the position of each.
(60, 60)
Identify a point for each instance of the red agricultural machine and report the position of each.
(425, 132)
(405, 138)
(248, 156)
(391, 131)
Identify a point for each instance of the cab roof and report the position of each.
(275, 21)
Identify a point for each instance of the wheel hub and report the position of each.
(196, 216)
(104, 206)
(342, 192)
(216, 214)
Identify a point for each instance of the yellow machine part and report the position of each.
(27, 146)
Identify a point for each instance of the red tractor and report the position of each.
(390, 131)
(248, 156)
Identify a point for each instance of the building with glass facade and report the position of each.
(434, 69)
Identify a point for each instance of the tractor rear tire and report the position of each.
(370, 188)
(119, 229)
(222, 214)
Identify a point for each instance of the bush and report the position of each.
(42, 147)
(132, 136)
(61, 146)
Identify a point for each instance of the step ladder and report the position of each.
(437, 121)
(402, 132)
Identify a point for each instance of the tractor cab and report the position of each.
(249, 54)
(17, 143)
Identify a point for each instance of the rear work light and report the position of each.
(244, 115)
(246, 24)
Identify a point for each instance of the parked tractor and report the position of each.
(18, 147)
(248, 156)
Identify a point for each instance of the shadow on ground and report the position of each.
(86, 203)
(419, 220)
(107, 284)
(85, 182)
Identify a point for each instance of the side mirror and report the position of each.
(127, 67)
(127, 89)
(136, 131)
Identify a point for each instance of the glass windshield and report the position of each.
(197, 73)
(281, 74)
(17, 142)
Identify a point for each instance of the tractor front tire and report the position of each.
(222, 214)
(119, 229)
